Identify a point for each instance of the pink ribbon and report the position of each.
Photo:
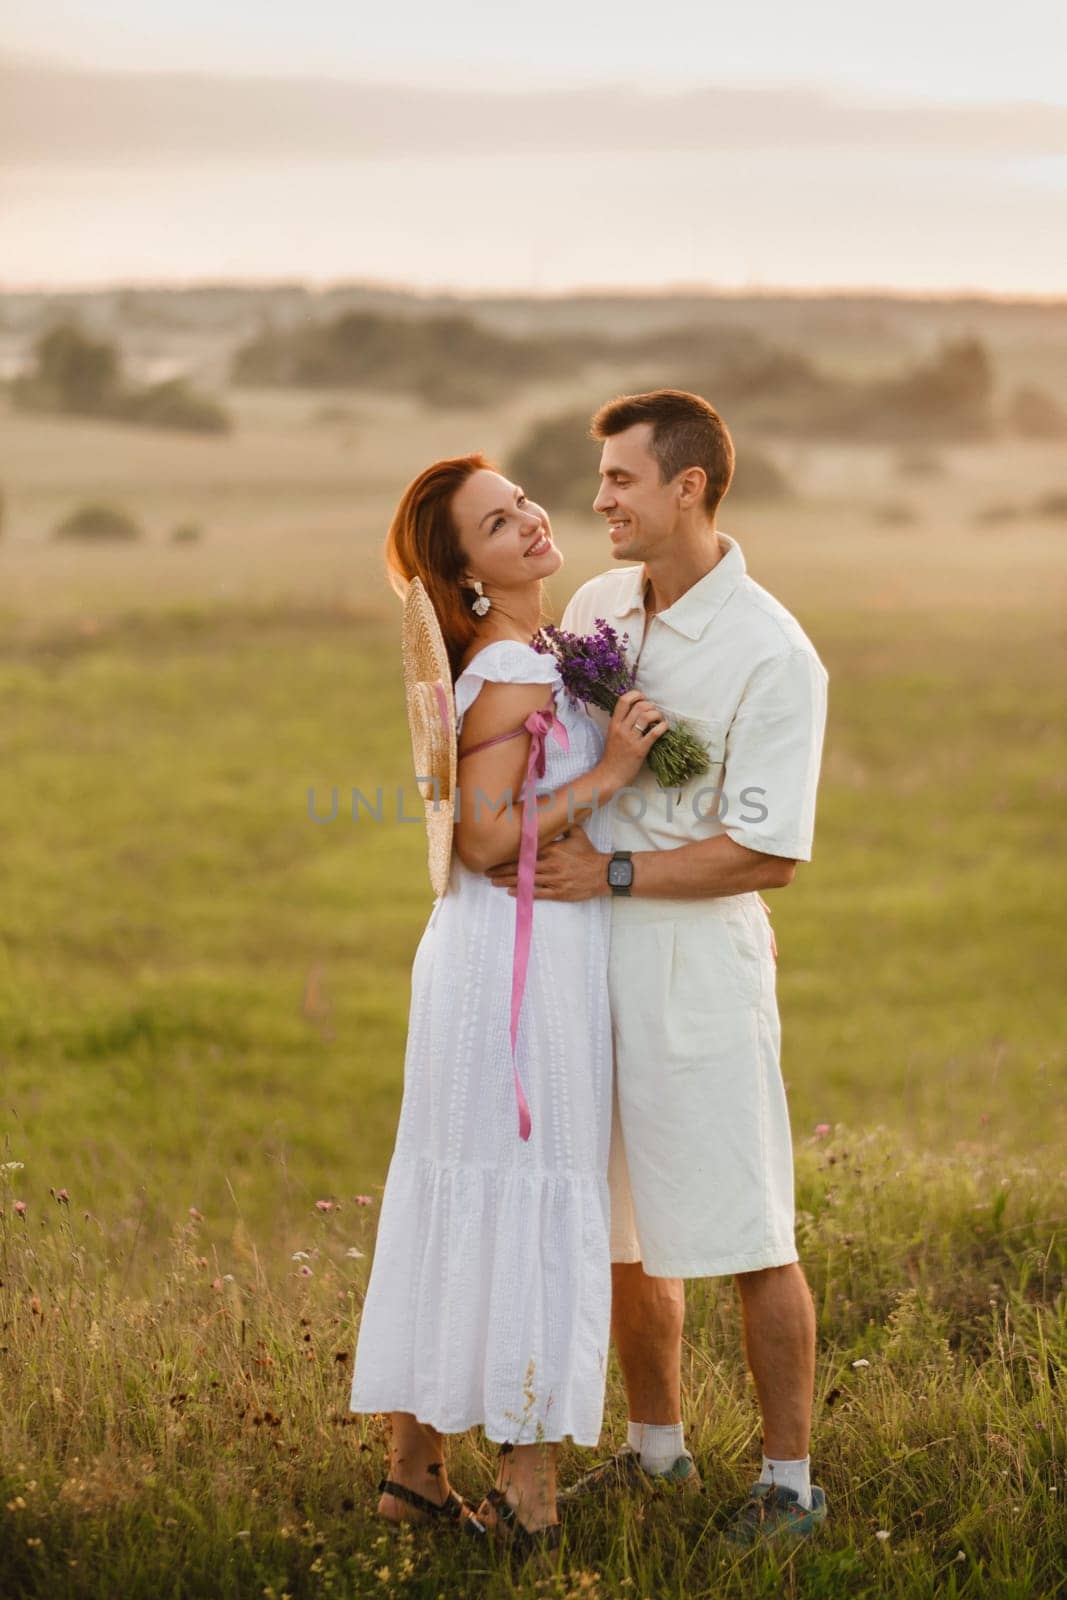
(538, 724)
(442, 705)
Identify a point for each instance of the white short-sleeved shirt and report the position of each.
(737, 666)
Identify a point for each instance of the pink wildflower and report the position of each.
(323, 1205)
(20, 1207)
(197, 1216)
(364, 1200)
(822, 1129)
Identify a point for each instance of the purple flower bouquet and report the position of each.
(595, 672)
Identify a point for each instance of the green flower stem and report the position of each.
(676, 756)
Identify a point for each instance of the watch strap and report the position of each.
(618, 888)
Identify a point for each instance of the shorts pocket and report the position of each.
(716, 965)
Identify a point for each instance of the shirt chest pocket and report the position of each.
(701, 797)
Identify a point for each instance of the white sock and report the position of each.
(659, 1445)
(790, 1475)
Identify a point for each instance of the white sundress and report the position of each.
(490, 1291)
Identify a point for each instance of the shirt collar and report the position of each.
(692, 611)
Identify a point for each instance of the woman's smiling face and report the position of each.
(506, 537)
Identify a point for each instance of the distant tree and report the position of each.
(174, 404)
(950, 397)
(556, 462)
(1036, 415)
(436, 356)
(757, 476)
(83, 377)
(74, 373)
(99, 524)
(1053, 504)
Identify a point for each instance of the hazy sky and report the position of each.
(937, 49)
(921, 145)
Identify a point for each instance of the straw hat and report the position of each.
(432, 724)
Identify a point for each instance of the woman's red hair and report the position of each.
(423, 542)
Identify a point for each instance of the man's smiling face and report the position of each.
(640, 510)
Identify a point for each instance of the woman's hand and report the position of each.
(635, 726)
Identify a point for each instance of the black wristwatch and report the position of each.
(621, 872)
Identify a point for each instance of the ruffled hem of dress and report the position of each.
(489, 1302)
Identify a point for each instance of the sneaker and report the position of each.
(774, 1512)
(624, 1473)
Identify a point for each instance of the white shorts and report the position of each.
(701, 1170)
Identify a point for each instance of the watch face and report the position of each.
(620, 874)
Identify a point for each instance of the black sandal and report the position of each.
(454, 1509)
(523, 1540)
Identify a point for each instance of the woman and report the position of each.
(489, 1298)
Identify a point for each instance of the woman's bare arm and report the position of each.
(490, 783)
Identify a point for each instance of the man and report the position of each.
(701, 1168)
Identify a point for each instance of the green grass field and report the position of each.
(203, 1001)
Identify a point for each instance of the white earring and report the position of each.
(483, 602)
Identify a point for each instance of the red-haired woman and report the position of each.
(490, 1295)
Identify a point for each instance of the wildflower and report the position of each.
(11, 1166)
(882, 1534)
(323, 1205)
(306, 1272)
(217, 1284)
(197, 1216)
(243, 1533)
(862, 1362)
(63, 1197)
(364, 1200)
(300, 1255)
(20, 1207)
(822, 1129)
(356, 1255)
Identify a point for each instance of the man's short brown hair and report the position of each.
(686, 432)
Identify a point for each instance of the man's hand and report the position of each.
(571, 868)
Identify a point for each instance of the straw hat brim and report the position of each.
(431, 709)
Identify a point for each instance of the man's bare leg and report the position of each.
(646, 1324)
(779, 1329)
